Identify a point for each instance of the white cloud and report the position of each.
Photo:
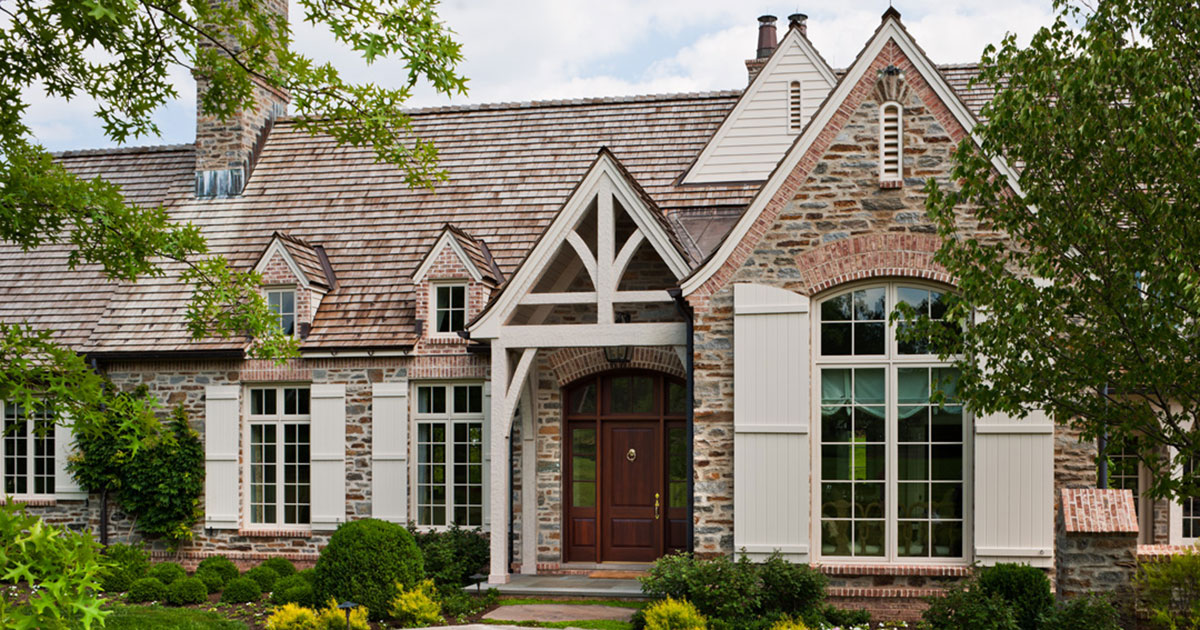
(520, 50)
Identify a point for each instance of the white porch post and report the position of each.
(529, 517)
(498, 573)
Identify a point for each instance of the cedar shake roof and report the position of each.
(510, 167)
(307, 258)
(479, 254)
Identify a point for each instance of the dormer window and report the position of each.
(450, 308)
(795, 107)
(891, 145)
(283, 304)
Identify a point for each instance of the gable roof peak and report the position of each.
(891, 13)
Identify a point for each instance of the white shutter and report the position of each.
(65, 488)
(771, 409)
(328, 456)
(1014, 490)
(222, 414)
(389, 452)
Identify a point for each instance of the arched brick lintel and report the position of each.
(572, 364)
(870, 256)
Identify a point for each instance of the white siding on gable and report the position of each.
(771, 422)
(759, 130)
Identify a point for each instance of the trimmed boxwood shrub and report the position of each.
(147, 589)
(1026, 589)
(240, 591)
(126, 564)
(222, 565)
(188, 590)
(264, 576)
(167, 572)
(309, 575)
(293, 589)
(364, 561)
(281, 566)
(789, 588)
(453, 555)
(967, 606)
(213, 582)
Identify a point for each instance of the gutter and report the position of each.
(689, 369)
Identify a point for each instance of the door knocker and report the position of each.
(631, 455)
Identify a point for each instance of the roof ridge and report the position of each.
(149, 148)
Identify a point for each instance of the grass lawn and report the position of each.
(162, 618)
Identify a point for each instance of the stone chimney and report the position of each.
(226, 150)
(767, 42)
(799, 21)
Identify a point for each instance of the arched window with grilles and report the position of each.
(891, 144)
(795, 107)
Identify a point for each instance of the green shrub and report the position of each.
(281, 566)
(264, 575)
(728, 593)
(1090, 612)
(967, 607)
(126, 564)
(1170, 591)
(416, 607)
(333, 618)
(188, 590)
(163, 484)
(363, 562)
(823, 614)
(452, 556)
(1026, 589)
(309, 575)
(240, 591)
(292, 617)
(167, 572)
(457, 604)
(787, 623)
(673, 614)
(293, 589)
(223, 566)
(147, 589)
(789, 588)
(213, 582)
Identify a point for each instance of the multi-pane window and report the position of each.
(28, 451)
(1124, 471)
(1191, 505)
(449, 458)
(450, 308)
(283, 304)
(893, 436)
(280, 442)
(891, 143)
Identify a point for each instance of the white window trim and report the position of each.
(433, 308)
(29, 462)
(449, 418)
(884, 175)
(1145, 517)
(244, 485)
(890, 362)
(268, 289)
(1175, 513)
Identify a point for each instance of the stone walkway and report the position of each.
(559, 612)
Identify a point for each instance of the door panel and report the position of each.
(632, 472)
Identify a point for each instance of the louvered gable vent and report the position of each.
(795, 107)
(891, 145)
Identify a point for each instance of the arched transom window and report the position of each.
(894, 442)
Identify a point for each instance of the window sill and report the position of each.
(446, 339)
(31, 501)
(924, 570)
(275, 533)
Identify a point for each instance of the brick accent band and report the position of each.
(923, 570)
(871, 256)
(1096, 511)
(572, 364)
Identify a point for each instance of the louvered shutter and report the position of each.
(389, 452)
(328, 456)
(65, 488)
(1014, 490)
(222, 413)
(771, 409)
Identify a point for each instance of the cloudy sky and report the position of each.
(520, 50)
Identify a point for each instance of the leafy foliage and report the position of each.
(188, 590)
(964, 607)
(363, 562)
(265, 577)
(673, 614)
(126, 563)
(790, 588)
(293, 589)
(416, 607)
(165, 482)
(213, 582)
(167, 572)
(1092, 293)
(221, 565)
(147, 589)
(1170, 591)
(1026, 589)
(1090, 612)
(240, 591)
(453, 555)
(458, 604)
(292, 617)
(281, 566)
(333, 618)
(64, 566)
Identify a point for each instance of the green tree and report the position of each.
(119, 53)
(1088, 296)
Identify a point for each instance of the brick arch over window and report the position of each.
(572, 364)
(870, 256)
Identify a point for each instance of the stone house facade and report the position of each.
(623, 327)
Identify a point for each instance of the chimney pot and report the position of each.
(766, 36)
(800, 21)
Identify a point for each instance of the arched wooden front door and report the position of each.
(625, 460)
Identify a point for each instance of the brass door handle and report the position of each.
(656, 506)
